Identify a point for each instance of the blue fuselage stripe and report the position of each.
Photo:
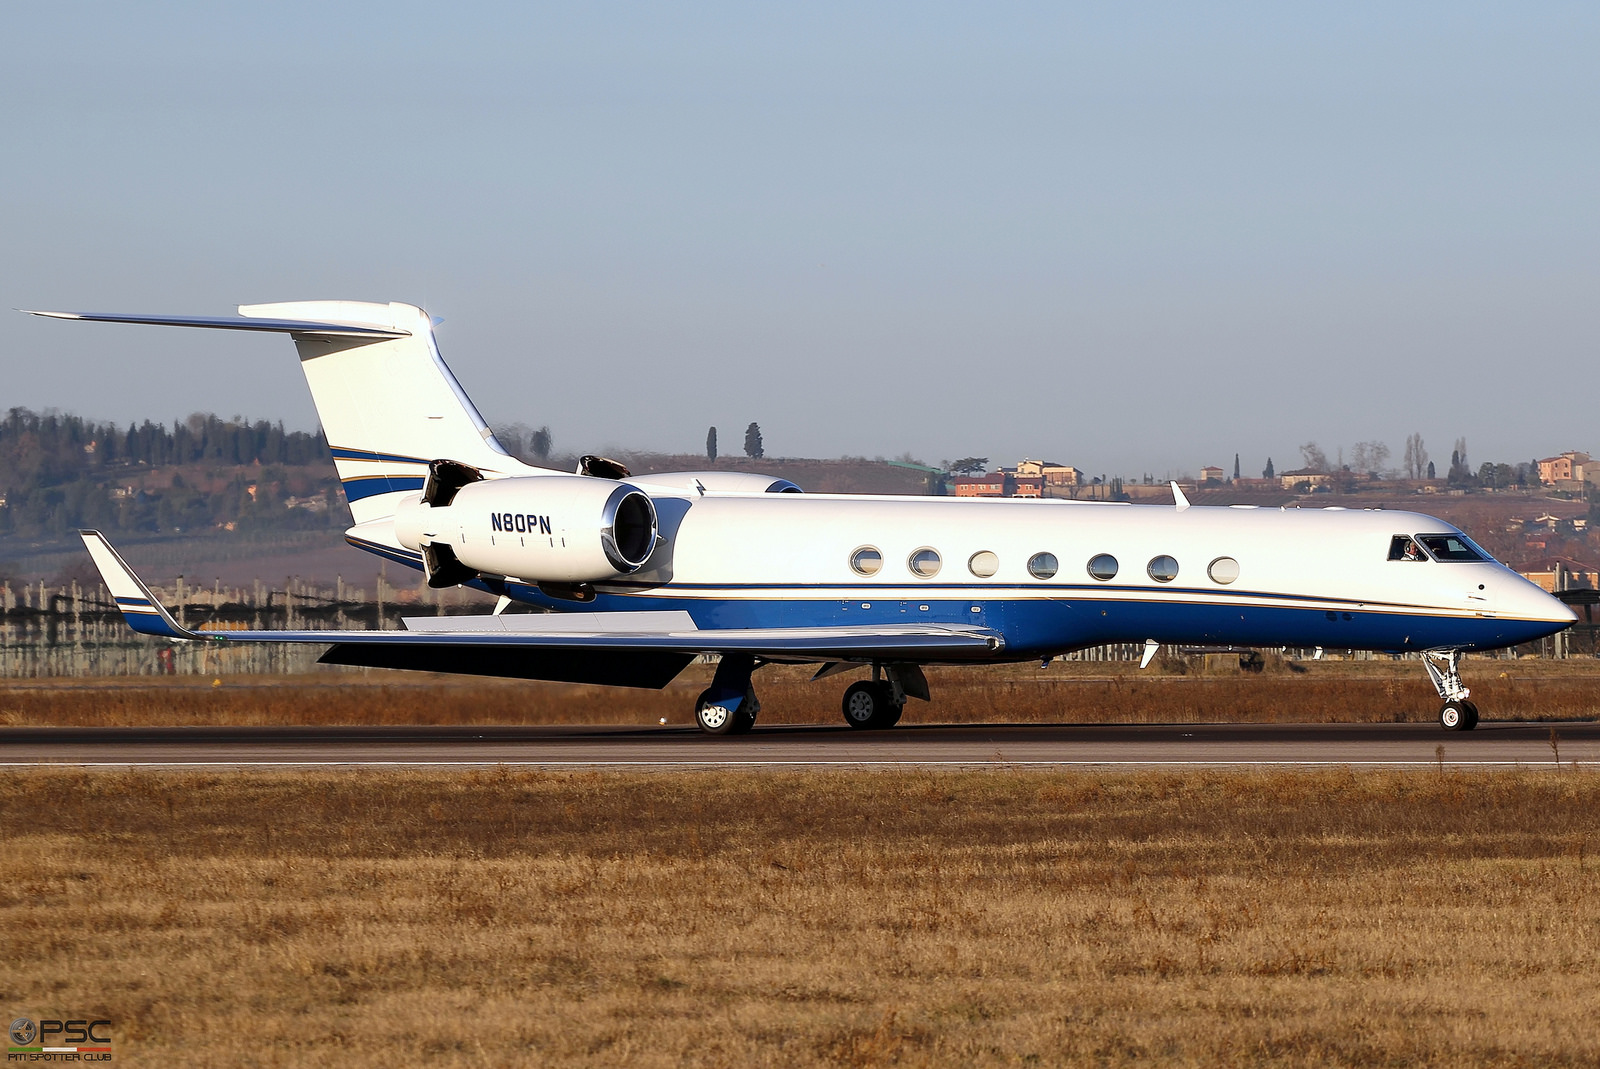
(1035, 626)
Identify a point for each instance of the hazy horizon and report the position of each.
(1131, 239)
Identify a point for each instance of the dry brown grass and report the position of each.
(1372, 691)
(744, 918)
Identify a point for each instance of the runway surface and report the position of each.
(1169, 745)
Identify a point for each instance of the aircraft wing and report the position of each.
(611, 647)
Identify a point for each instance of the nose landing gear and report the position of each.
(1458, 713)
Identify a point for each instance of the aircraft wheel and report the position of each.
(717, 720)
(712, 719)
(1457, 716)
(1471, 721)
(870, 705)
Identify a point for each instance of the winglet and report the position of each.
(139, 606)
(1177, 496)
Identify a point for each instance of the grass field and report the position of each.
(1072, 692)
(854, 918)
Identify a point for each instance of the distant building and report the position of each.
(1570, 467)
(1052, 473)
(1563, 573)
(1062, 475)
(1027, 486)
(995, 484)
(1312, 479)
(1211, 474)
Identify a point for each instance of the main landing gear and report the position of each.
(1458, 713)
(879, 701)
(729, 705)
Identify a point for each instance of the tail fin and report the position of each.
(388, 403)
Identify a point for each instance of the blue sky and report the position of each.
(1131, 237)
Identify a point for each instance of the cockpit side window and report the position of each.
(1404, 547)
(1450, 547)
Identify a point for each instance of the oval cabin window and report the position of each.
(924, 563)
(1103, 567)
(983, 564)
(1163, 569)
(1224, 570)
(1043, 565)
(866, 561)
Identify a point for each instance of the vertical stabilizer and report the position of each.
(388, 405)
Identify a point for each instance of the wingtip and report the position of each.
(140, 608)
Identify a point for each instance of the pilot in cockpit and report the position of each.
(1404, 547)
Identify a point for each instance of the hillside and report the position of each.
(235, 500)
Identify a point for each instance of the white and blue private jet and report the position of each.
(641, 574)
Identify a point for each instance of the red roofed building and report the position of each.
(995, 484)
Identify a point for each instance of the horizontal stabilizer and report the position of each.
(276, 326)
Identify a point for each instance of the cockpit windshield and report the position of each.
(1451, 547)
(1404, 547)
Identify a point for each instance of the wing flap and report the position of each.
(820, 643)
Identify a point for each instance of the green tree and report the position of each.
(969, 465)
(711, 446)
(752, 442)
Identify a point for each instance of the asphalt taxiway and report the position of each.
(1494, 744)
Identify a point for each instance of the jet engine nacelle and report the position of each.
(545, 528)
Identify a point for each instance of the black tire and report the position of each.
(1455, 716)
(1472, 716)
(868, 706)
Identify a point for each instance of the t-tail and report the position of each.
(388, 404)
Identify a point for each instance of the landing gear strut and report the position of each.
(1458, 713)
(729, 706)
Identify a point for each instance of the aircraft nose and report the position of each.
(1533, 603)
